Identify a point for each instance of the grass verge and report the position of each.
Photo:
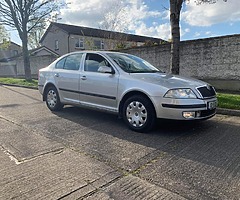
(229, 101)
(18, 81)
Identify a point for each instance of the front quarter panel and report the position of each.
(152, 91)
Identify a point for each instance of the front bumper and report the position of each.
(40, 89)
(185, 109)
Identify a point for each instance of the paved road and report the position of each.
(78, 153)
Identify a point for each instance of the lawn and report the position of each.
(18, 81)
(225, 100)
(230, 101)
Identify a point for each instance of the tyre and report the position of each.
(53, 100)
(139, 113)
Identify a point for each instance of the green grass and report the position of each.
(229, 101)
(18, 81)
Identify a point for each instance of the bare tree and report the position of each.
(115, 20)
(36, 34)
(175, 10)
(115, 17)
(25, 15)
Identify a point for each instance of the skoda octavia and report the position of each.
(127, 85)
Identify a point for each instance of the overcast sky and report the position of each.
(151, 17)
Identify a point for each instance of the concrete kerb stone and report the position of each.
(222, 111)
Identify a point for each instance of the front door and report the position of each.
(98, 89)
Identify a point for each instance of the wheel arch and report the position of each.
(129, 94)
(46, 88)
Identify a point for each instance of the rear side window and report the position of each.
(60, 64)
(71, 62)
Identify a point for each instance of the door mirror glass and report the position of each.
(105, 69)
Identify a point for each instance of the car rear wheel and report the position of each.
(53, 100)
(139, 113)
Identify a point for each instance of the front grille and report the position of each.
(207, 92)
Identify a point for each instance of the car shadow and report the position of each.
(101, 121)
(194, 140)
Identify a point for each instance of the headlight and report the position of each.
(180, 94)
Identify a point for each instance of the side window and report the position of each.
(60, 64)
(73, 62)
(94, 61)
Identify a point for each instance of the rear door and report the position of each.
(66, 75)
(97, 88)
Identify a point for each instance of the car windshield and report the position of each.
(132, 64)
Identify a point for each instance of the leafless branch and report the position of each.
(199, 2)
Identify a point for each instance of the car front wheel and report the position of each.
(53, 100)
(139, 113)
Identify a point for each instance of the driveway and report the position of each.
(95, 156)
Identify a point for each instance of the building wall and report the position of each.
(66, 43)
(59, 35)
(10, 51)
(89, 43)
(216, 60)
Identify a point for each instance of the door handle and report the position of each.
(56, 75)
(84, 78)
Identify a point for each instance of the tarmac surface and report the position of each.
(84, 154)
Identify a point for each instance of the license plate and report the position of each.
(212, 105)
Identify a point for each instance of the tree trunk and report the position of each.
(175, 9)
(26, 60)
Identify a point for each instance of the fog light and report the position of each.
(198, 114)
(189, 115)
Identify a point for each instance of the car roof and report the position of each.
(95, 51)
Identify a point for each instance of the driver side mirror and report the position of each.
(106, 69)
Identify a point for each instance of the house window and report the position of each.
(56, 45)
(79, 43)
(98, 44)
(15, 52)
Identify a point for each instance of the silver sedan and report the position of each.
(127, 85)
